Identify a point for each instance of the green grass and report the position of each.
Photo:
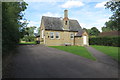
(28, 42)
(111, 51)
(78, 50)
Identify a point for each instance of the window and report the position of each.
(71, 36)
(65, 22)
(57, 35)
(51, 35)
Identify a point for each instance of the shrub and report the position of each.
(105, 41)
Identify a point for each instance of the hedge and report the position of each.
(105, 41)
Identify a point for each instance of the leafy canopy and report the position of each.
(114, 22)
(12, 13)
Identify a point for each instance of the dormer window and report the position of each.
(65, 22)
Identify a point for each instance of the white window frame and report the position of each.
(58, 35)
(50, 35)
(72, 35)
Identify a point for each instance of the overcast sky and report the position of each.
(89, 14)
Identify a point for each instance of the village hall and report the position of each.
(57, 31)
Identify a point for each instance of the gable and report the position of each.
(74, 25)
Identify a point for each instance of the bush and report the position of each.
(28, 38)
(105, 41)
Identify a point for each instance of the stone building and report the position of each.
(55, 31)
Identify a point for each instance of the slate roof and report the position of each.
(55, 23)
(79, 34)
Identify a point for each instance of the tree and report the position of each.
(114, 23)
(38, 30)
(22, 29)
(29, 34)
(106, 29)
(85, 29)
(11, 16)
(93, 31)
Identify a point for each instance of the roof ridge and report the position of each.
(58, 17)
(51, 17)
(54, 23)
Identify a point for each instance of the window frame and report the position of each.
(58, 35)
(72, 36)
(52, 34)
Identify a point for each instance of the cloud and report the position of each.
(51, 14)
(83, 25)
(100, 5)
(99, 23)
(70, 4)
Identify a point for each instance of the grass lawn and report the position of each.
(78, 50)
(111, 51)
(28, 42)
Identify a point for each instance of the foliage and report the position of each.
(92, 32)
(111, 51)
(28, 38)
(114, 22)
(23, 29)
(29, 34)
(106, 29)
(85, 29)
(38, 30)
(81, 51)
(105, 41)
(114, 6)
(11, 16)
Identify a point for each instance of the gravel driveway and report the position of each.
(38, 61)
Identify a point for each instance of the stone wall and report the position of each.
(79, 41)
(64, 38)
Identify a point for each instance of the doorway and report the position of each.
(84, 40)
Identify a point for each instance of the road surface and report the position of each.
(38, 61)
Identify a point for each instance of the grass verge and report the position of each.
(111, 51)
(77, 50)
(28, 42)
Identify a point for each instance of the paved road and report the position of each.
(101, 57)
(43, 62)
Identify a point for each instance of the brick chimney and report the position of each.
(66, 20)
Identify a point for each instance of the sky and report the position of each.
(88, 13)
